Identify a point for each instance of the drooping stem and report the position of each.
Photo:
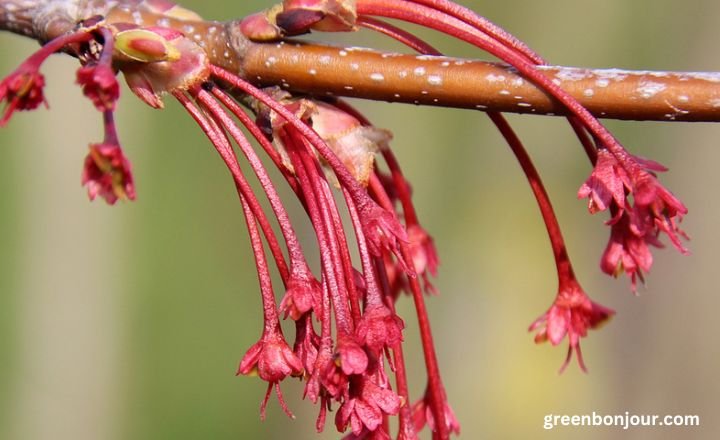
(562, 261)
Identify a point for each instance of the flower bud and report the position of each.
(145, 46)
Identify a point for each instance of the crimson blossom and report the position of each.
(347, 345)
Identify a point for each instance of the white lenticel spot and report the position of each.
(602, 82)
(435, 80)
(648, 89)
(378, 77)
(494, 78)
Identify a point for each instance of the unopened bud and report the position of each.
(145, 46)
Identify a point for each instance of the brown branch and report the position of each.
(362, 73)
(452, 82)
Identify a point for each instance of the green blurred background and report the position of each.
(127, 322)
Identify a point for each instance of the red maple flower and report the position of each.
(380, 328)
(22, 90)
(270, 358)
(351, 357)
(365, 409)
(108, 173)
(606, 184)
(422, 415)
(657, 210)
(100, 85)
(572, 314)
(636, 221)
(301, 296)
(628, 252)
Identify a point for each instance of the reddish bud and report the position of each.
(260, 27)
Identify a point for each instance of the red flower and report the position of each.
(606, 183)
(382, 231)
(379, 327)
(22, 90)
(656, 210)
(108, 173)
(306, 343)
(634, 225)
(352, 358)
(270, 358)
(100, 85)
(572, 314)
(301, 296)
(424, 255)
(366, 409)
(422, 415)
(627, 252)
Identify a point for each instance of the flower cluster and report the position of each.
(641, 210)
(347, 344)
(625, 184)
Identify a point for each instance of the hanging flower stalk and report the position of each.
(347, 346)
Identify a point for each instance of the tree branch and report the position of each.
(453, 82)
(438, 81)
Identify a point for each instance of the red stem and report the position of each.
(222, 145)
(562, 261)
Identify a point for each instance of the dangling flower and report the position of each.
(572, 314)
(301, 296)
(656, 210)
(628, 252)
(22, 90)
(422, 415)
(366, 406)
(636, 222)
(108, 173)
(271, 359)
(100, 85)
(380, 328)
(606, 184)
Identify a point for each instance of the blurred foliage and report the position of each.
(128, 321)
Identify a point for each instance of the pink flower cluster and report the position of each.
(347, 341)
